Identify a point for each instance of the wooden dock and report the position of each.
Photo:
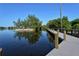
(69, 47)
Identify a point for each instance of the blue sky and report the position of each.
(11, 12)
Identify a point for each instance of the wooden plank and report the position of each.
(69, 47)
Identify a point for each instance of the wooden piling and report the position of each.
(0, 51)
(58, 32)
(56, 40)
(64, 35)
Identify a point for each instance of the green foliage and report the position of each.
(33, 22)
(53, 23)
(11, 28)
(2, 28)
(75, 21)
(66, 24)
(75, 24)
(30, 22)
(56, 23)
(18, 24)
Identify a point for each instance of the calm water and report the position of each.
(26, 43)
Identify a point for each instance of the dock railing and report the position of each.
(56, 36)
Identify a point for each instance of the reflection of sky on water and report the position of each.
(29, 44)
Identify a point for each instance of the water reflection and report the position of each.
(32, 37)
(25, 43)
(50, 38)
(2, 29)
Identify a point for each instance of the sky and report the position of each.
(10, 12)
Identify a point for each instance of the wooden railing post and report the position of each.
(56, 40)
(58, 32)
(0, 51)
(64, 35)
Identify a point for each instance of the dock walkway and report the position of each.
(68, 47)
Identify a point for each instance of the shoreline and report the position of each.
(24, 30)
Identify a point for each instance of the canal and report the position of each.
(25, 43)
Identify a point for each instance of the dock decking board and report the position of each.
(69, 47)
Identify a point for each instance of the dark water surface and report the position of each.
(25, 43)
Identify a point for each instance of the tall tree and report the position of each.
(56, 23)
(75, 24)
(30, 22)
(18, 23)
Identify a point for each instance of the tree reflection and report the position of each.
(32, 37)
(2, 28)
